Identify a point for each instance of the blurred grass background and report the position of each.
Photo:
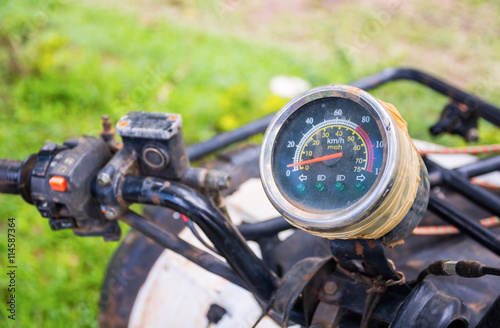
(65, 63)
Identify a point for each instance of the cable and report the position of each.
(462, 150)
(371, 303)
(168, 240)
(490, 222)
(263, 314)
(191, 227)
(484, 184)
(491, 271)
(466, 269)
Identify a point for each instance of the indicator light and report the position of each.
(301, 187)
(360, 186)
(339, 186)
(58, 183)
(320, 186)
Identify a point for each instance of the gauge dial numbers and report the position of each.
(331, 164)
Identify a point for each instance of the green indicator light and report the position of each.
(360, 186)
(339, 186)
(301, 187)
(320, 186)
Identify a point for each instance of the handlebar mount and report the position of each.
(76, 185)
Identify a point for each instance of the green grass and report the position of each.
(83, 61)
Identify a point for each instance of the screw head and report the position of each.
(103, 179)
(111, 213)
(224, 180)
(330, 287)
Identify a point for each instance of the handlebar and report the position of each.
(10, 174)
(15, 176)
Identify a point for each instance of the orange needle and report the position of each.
(314, 160)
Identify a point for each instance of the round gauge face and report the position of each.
(328, 154)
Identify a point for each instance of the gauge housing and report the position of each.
(394, 203)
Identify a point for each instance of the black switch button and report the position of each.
(47, 209)
(59, 224)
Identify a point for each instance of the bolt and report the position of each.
(217, 180)
(224, 180)
(106, 123)
(330, 287)
(472, 135)
(103, 179)
(111, 213)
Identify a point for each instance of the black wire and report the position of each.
(473, 269)
(264, 313)
(268, 228)
(491, 271)
(421, 276)
(371, 302)
(191, 227)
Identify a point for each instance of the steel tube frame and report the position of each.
(222, 140)
(485, 109)
(480, 167)
(465, 224)
(460, 183)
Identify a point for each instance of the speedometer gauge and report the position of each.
(341, 155)
(338, 163)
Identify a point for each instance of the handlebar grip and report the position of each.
(10, 176)
(15, 176)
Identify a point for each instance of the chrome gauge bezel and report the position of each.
(336, 219)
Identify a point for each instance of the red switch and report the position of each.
(58, 183)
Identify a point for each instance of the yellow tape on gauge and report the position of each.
(401, 196)
(339, 163)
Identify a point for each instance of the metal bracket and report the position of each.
(370, 252)
(300, 286)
